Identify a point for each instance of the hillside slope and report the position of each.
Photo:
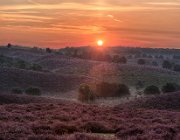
(47, 82)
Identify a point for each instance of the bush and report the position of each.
(117, 59)
(141, 62)
(48, 50)
(36, 67)
(85, 93)
(122, 90)
(33, 91)
(20, 64)
(105, 89)
(16, 91)
(169, 87)
(154, 63)
(167, 65)
(177, 68)
(150, 90)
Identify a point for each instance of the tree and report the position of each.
(115, 58)
(105, 89)
(123, 60)
(141, 62)
(85, 93)
(150, 90)
(17, 91)
(9, 45)
(48, 50)
(122, 90)
(166, 64)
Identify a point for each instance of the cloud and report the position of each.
(113, 18)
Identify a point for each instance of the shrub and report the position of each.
(96, 127)
(33, 91)
(48, 50)
(169, 87)
(20, 64)
(177, 68)
(123, 60)
(141, 62)
(117, 59)
(16, 91)
(122, 90)
(36, 67)
(62, 128)
(105, 89)
(85, 93)
(166, 64)
(150, 90)
(154, 63)
(139, 84)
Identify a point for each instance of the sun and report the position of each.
(100, 42)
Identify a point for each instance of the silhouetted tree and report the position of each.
(48, 50)
(9, 45)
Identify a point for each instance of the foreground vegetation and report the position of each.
(71, 121)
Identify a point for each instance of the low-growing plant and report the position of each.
(151, 90)
(33, 91)
(85, 93)
(17, 91)
(169, 87)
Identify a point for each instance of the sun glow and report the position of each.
(100, 42)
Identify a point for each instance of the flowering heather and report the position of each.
(72, 121)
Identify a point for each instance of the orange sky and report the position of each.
(60, 23)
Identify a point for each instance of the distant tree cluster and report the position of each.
(167, 88)
(34, 91)
(96, 55)
(18, 63)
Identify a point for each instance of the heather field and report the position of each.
(56, 120)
